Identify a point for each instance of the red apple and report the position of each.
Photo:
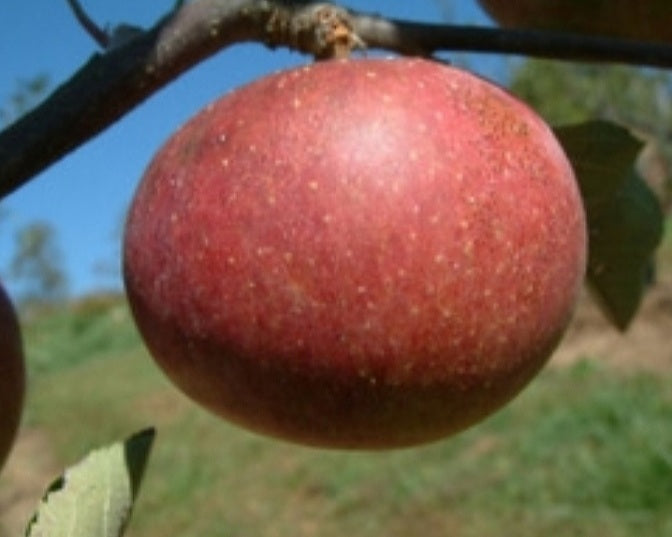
(12, 376)
(647, 20)
(356, 254)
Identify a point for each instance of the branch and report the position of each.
(112, 83)
(419, 38)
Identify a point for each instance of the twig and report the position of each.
(98, 34)
(112, 84)
(410, 37)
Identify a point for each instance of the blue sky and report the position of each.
(84, 196)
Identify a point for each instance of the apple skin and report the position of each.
(647, 20)
(356, 254)
(12, 376)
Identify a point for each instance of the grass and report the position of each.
(583, 451)
(94, 327)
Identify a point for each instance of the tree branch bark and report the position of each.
(111, 84)
(419, 38)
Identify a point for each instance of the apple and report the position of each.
(356, 254)
(12, 376)
(647, 20)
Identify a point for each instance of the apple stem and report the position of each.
(324, 30)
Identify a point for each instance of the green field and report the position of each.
(586, 450)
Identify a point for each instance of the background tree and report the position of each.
(36, 266)
(109, 268)
(26, 95)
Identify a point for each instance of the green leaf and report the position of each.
(95, 497)
(602, 155)
(625, 221)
